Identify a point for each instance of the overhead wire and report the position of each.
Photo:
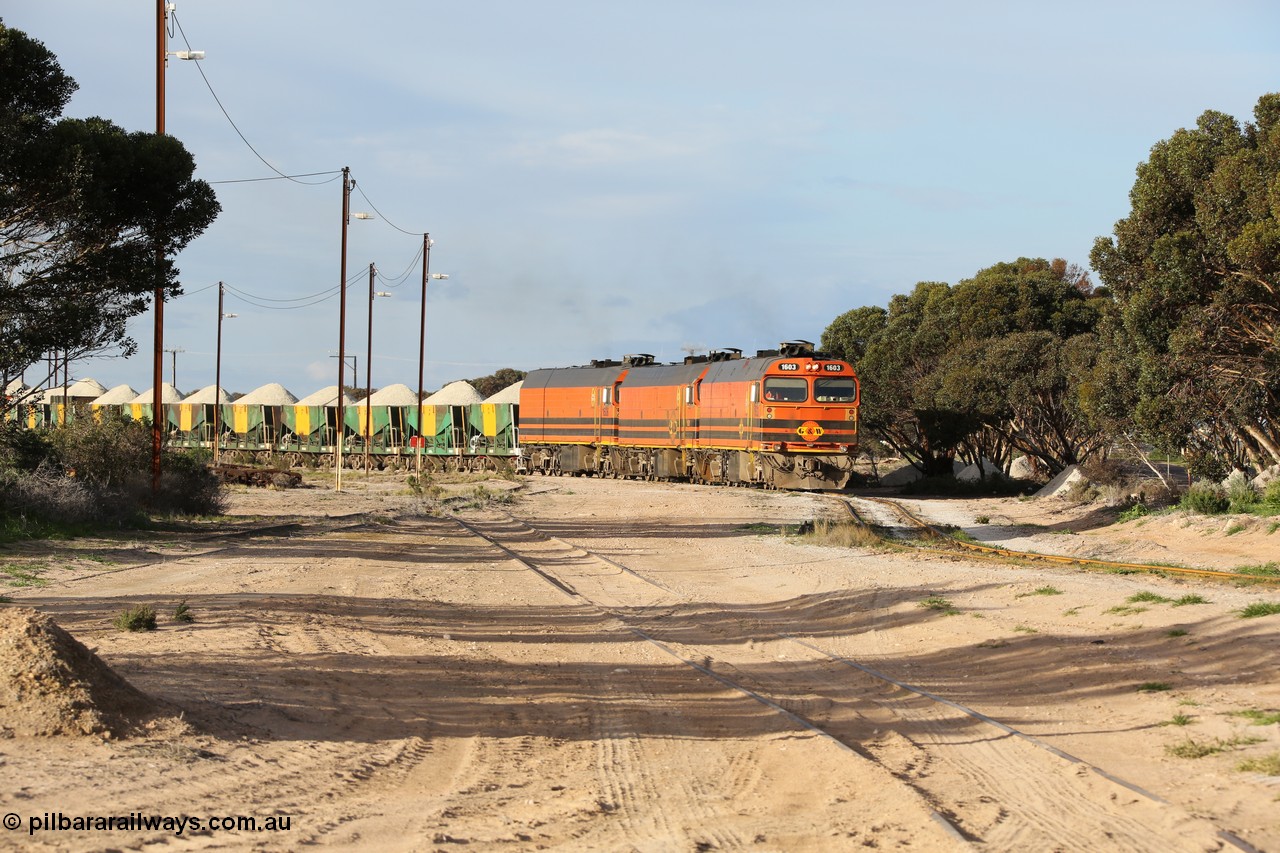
(400, 279)
(312, 299)
(384, 217)
(249, 299)
(173, 16)
(279, 175)
(337, 173)
(328, 291)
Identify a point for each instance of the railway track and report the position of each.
(986, 782)
(913, 523)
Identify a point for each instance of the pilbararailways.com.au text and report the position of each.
(139, 822)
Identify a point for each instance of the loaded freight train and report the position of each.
(784, 418)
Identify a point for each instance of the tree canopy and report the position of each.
(991, 365)
(90, 215)
(489, 385)
(1193, 342)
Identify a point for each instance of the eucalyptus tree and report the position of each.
(997, 364)
(895, 352)
(1021, 363)
(1193, 345)
(90, 215)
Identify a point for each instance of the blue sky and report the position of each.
(609, 178)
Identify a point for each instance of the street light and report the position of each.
(368, 373)
(163, 8)
(217, 382)
(427, 243)
(347, 186)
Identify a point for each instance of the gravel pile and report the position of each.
(394, 395)
(458, 393)
(1061, 483)
(82, 389)
(271, 394)
(116, 396)
(510, 394)
(50, 684)
(205, 395)
(327, 396)
(168, 394)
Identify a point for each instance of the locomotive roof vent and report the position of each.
(795, 349)
(605, 362)
(639, 359)
(695, 359)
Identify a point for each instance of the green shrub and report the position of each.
(23, 449)
(1266, 570)
(140, 618)
(1260, 608)
(95, 471)
(937, 602)
(188, 486)
(1241, 496)
(182, 613)
(1271, 495)
(1134, 512)
(1205, 498)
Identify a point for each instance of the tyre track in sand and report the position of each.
(992, 784)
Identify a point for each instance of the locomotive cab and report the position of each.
(809, 403)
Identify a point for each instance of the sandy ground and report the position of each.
(383, 679)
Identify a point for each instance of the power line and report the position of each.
(360, 190)
(173, 15)
(329, 291)
(337, 173)
(251, 300)
(400, 279)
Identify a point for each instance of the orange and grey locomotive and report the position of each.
(785, 418)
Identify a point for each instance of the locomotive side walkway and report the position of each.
(403, 684)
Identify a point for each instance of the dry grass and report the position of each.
(842, 534)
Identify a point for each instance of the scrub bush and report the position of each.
(1205, 498)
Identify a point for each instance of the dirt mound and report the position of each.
(50, 684)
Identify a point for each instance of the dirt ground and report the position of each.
(380, 678)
